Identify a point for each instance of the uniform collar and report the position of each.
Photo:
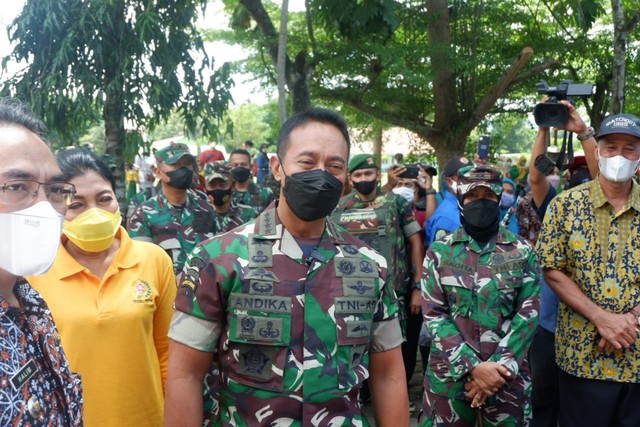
(269, 227)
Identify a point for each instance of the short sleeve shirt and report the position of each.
(296, 331)
(598, 249)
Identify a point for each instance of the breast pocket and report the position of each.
(459, 298)
(354, 328)
(508, 288)
(258, 349)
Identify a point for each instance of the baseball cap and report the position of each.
(215, 170)
(620, 123)
(172, 153)
(362, 161)
(471, 177)
(452, 167)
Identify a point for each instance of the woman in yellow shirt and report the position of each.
(111, 298)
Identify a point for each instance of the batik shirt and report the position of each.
(37, 387)
(257, 196)
(596, 247)
(234, 217)
(296, 332)
(176, 230)
(480, 304)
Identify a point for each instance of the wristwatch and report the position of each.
(429, 192)
(591, 132)
(416, 285)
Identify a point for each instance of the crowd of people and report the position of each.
(296, 289)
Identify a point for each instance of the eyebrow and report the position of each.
(78, 196)
(315, 154)
(17, 174)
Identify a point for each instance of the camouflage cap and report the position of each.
(172, 153)
(362, 161)
(454, 165)
(215, 170)
(471, 177)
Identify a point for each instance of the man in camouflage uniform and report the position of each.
(386, 222)
(219, 185)
(299, 311)
(245, 191)
(480, 303)
(176, 218)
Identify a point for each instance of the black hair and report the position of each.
(248, 143)
(241, 151)
(13, 112)
(78, 161)
(319, 115)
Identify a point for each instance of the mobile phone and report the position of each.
(411, 172)
(483, 147)
(544, 164)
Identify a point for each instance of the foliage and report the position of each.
(127, 61)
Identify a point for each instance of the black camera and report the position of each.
(552, 113)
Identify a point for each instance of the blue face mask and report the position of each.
(506, 200)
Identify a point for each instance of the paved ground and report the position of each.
(415, 395)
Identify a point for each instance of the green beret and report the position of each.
(362, 161)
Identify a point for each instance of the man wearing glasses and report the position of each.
(37, 386)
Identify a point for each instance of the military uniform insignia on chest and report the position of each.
(260, 253)
(354, 267)
(256, 361)
(507, 261)
(350, 249)
(458, 266)
(356, 286)
(260, 274)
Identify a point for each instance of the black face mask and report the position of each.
(240, 173)
(180, 178)
(365, 187)
(481, 219)
(313, 194)
(219, 196)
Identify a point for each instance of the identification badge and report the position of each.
(23, 375)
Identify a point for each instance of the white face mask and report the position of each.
(454, 187)
(405, 192)
(29, 239)
(617, 168)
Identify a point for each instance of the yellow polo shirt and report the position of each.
(114, 330)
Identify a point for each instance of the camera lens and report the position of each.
(549, 114)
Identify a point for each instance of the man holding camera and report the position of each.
(588, 250)
(386, 222)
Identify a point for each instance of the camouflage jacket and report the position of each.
(234, 217)
(257, 196)
(176, 230)
(383, 224)
(296, 333)
(480, 304)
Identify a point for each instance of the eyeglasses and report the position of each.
(20, 192)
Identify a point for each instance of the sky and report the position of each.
(244, 90)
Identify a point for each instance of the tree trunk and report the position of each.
(282, 62)
(113, 115)
(619, 54)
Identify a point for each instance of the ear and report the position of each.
(156, 171)
(276, 168)
(378, 175)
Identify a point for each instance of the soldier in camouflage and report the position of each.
(219, 184)
(298, 310)
(176, 218)
(480, 303)
(386, 222)
(245, 191)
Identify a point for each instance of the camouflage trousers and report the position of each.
(442, 411)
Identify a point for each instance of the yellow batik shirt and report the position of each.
(598, 248)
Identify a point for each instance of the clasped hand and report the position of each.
(486, 380)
